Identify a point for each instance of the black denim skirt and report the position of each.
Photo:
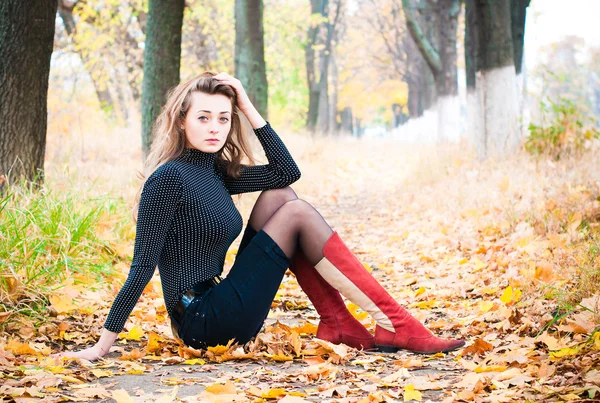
(237, 307)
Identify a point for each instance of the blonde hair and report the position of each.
(169, 140)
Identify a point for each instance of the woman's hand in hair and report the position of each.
(243, 100)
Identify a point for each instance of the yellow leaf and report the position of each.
(19, 348)
(463, 260)
(425, 304)
(411, 394)
(279, 357)
(510, 296)
(99, 373)
(121, 396)
(307, 328)
(597, 340)
(153, 342)
(420, 291)
(63, 303)
(168, 397)
(368, 267)
(353, 308)
(70, 379)
(485, 306)
(491, 368)
(273, 393)
(135, 333)
(194, 361)
(219, 349)
(564, 352)
(219, 389)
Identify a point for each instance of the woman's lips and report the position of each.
(212, 140)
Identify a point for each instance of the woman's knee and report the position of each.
(279, 196)
(296, 209)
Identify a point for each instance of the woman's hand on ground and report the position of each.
(90, 354)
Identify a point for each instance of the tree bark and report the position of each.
(496, 79)
(438, 48)
(26, 41)
(162, 55)
(249, 61)
(317, 7)
(346, 117)
(474, 107)
(518, 13)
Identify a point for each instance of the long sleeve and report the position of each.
(281, 170)
(158, 203)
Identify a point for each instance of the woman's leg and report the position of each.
(337, 324)
(297, 224)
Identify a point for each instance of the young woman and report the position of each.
(187, 221)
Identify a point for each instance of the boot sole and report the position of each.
(393, 349)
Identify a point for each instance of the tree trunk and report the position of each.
(162, 55)
(250, 52)
(518, 12)
(495, 78)
(26, 41)
(474, 107)
(438, 48)
(446, 81)
(346, 117)
(317, 8)
(323, 109)
(333, 101)
(96, 68)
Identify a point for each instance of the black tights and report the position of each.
(291, 223)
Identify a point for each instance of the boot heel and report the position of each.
(386, 349)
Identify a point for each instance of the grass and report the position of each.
(48, 237)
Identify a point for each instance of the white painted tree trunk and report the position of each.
(422, 130)
(498, 91)
(475, 121)
(448, 111)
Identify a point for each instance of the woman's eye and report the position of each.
(224, 120)
(202, 117)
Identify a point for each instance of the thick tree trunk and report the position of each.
(438, 48)
(250, 52)
(496, 79)
(446, 82)
(26, 41)
(162, 55)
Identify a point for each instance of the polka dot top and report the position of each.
(187, 220)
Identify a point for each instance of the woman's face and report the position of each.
(207, 119)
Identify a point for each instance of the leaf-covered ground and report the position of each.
(494, 253)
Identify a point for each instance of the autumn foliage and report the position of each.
(502, 254)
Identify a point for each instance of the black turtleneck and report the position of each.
(187, 220)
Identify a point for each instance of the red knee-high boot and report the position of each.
(396, 329)
(337, 324)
